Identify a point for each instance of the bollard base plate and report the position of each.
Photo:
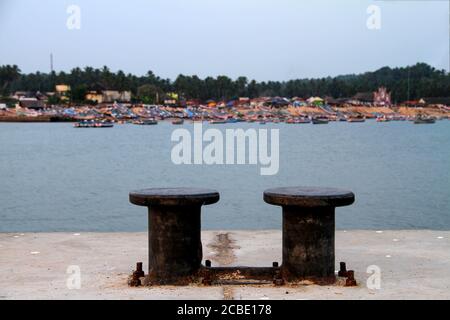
(211, 276)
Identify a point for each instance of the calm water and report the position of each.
(57, 178)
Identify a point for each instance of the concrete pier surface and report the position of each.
(412, 265)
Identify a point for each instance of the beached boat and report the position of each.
(320, 120)
(177, 121)
(302, 120)
(356, 119)
(218, 121)
(424, 120)
(148, 122)
(399, 118)
(93, 124)
(298, 120)
(383, 119)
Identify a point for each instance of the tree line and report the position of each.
(405, 83)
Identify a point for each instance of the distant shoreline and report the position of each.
(246, 114)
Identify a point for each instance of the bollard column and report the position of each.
(175, 248)
(308, 229)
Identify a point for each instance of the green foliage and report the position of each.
(78, 93)
(10, 102)
(414, 82)
(53, 100)
(8, 74)
(149, 94)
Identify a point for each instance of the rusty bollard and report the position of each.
(175, 248)
(308, 229)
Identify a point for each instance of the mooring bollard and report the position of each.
(175, 248)
(308, 229)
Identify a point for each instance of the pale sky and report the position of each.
(260, 39)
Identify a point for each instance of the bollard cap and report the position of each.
(309, 197)
(174, 197)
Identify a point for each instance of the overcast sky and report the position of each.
(260, 39)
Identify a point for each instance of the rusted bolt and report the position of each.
(139, 271)
(350, 282)
(134, 281)
(343, 270)
(275, 264)
(278, 282)
(208, 263)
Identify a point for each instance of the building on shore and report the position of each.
(63, 92)
(437, 101)
(382, 97)
(362, 98)
(108, 96)
(31, 103)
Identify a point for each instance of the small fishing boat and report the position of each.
(302, 120)
(178, 121)
(383, 119)
(93, 124)
(356, 119)
(399, 118)
(218, 121)
(420, 119)
(147, 122)
(298, 120)
(320, 120)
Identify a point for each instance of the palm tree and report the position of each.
(8, 74)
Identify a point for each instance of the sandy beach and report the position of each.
(413, 265)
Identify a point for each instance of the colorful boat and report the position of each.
(147, 122)
(93, 124)
(356, 119)
(302, 120)
(383, 119)
(178, 121)
(218, 121)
